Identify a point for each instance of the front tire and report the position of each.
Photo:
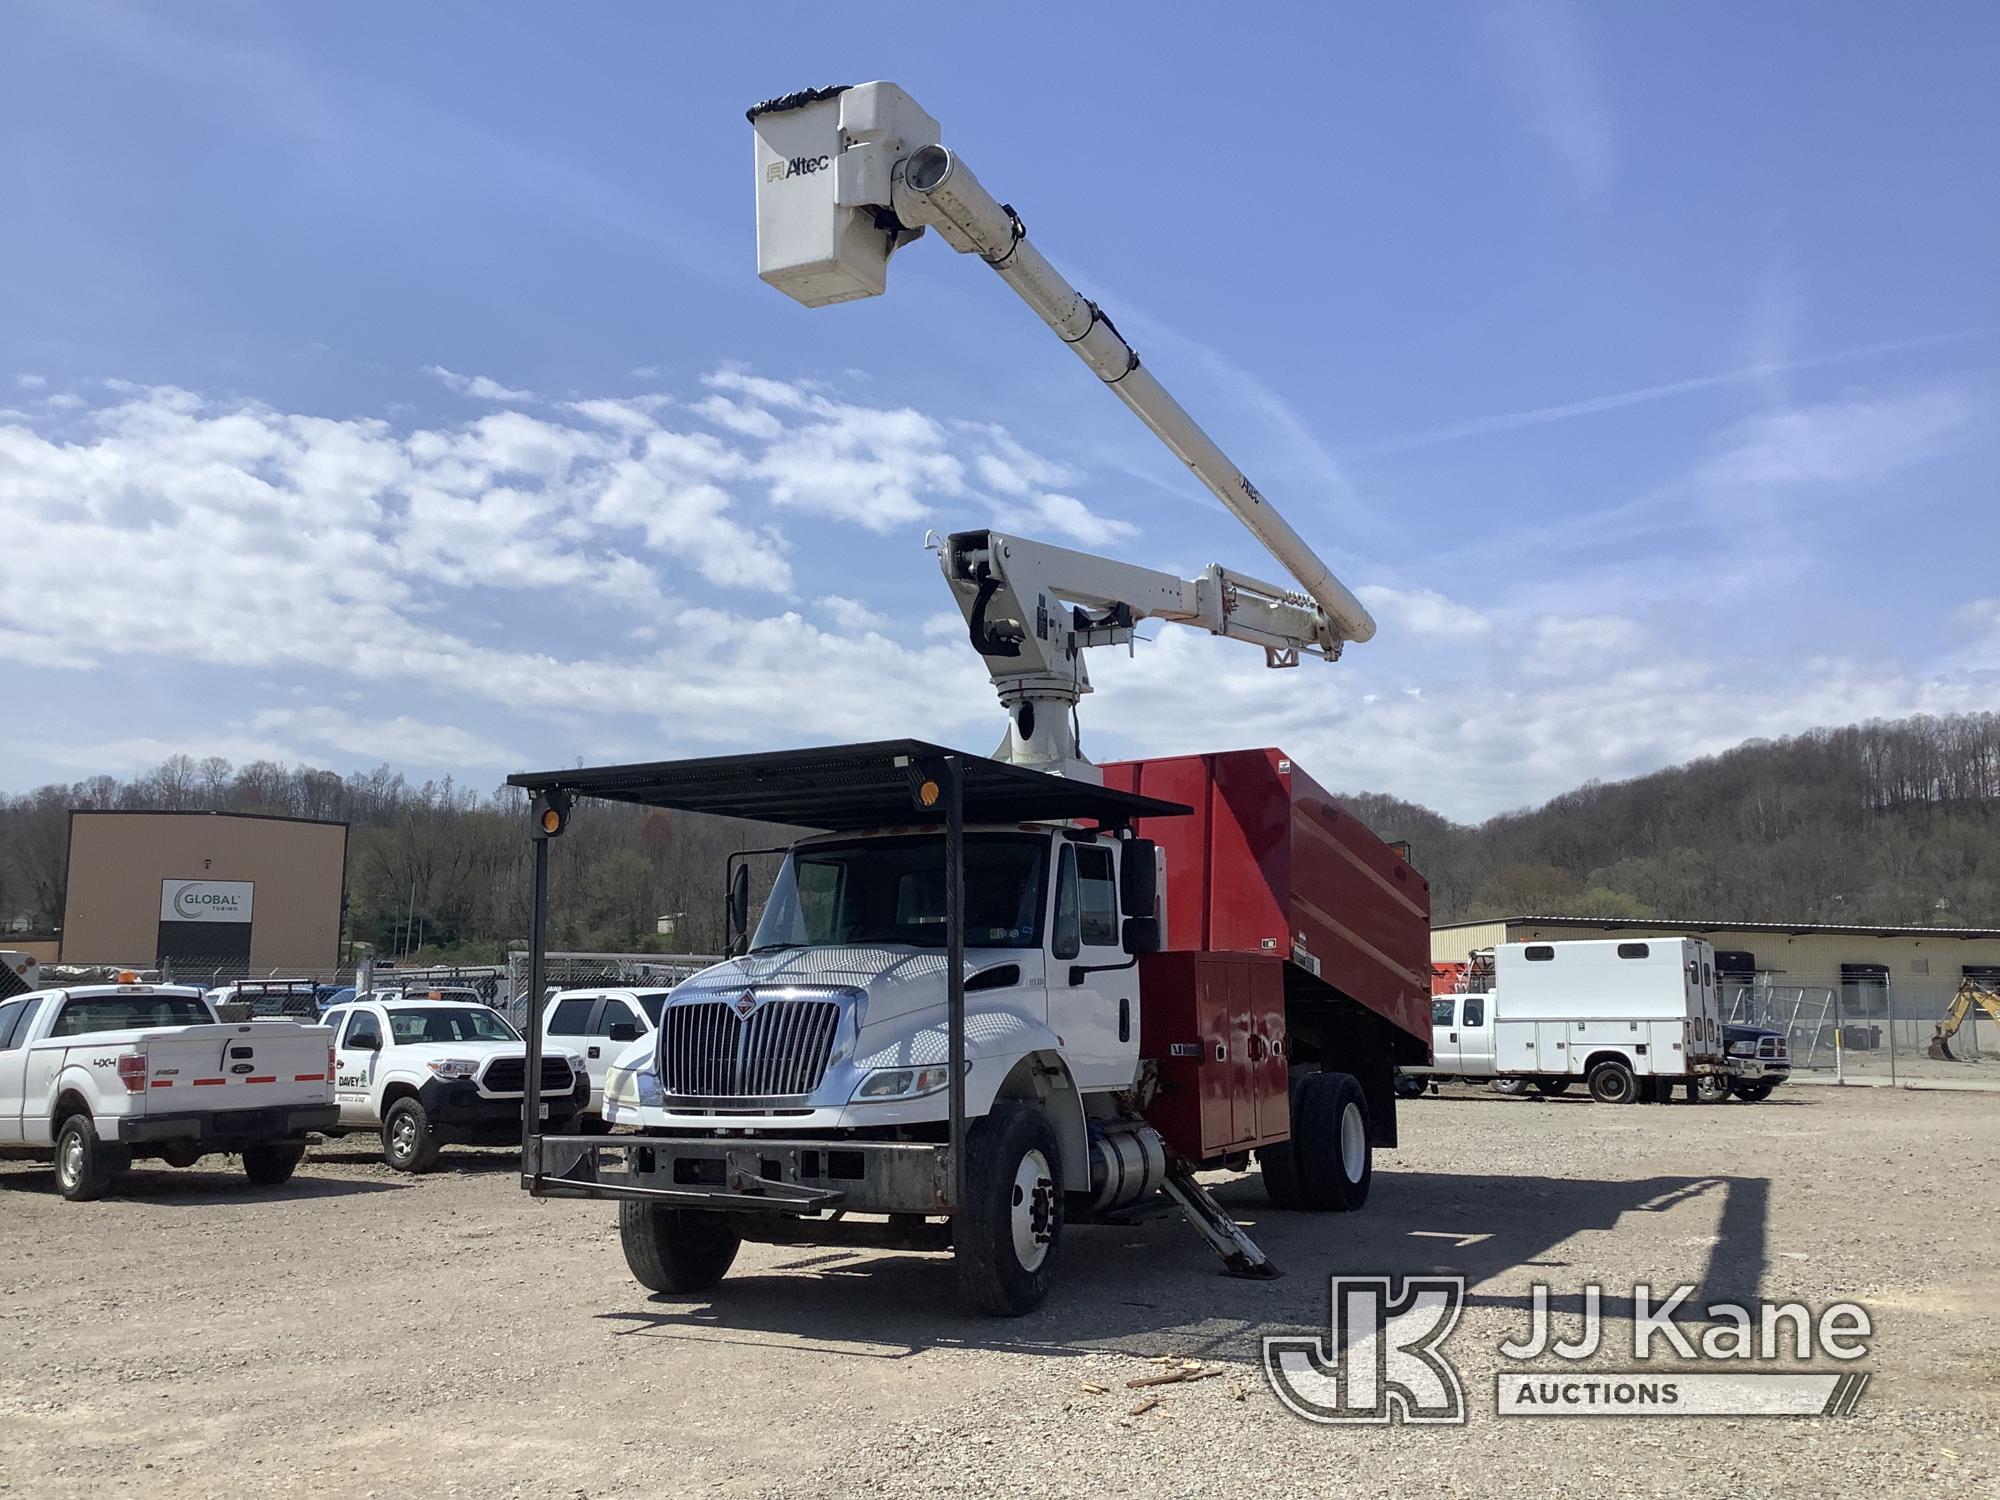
(407, 1142)
(1552, 1086)
(1512, 1087)
(85, 1165)
(676, 1250)
(1613, 1083)
(1008, 1231)
(1754, 1093)
(271, 1163)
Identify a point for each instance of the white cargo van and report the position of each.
(1628, 1018)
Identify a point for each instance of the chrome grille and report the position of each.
(780, 1050)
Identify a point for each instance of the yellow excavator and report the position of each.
(1969, 995)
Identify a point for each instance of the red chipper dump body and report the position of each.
(1293, 935)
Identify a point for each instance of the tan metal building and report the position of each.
(1912, 970)
(235, 892)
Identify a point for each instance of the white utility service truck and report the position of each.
(97, 1076)
(1629, 1019)
(993, 994)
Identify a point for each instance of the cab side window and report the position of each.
(362, 1024)
(1097, 889)
(15, 1017)
(1068, 936)
(1475, 1010)
(571, 1017)
(1441, 1010)
(614, 1012)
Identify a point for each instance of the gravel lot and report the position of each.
(363, 1334)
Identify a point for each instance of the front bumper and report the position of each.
(461, 1115)
(745, 1174)
(1755, 1069)
(229, 1129)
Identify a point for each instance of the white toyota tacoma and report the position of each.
(99, 1075)
(431, 1073)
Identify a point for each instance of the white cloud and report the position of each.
(479, 387)
(31, 382)
(1575, 646)
(1839, 442)
(1543, 61)
(1424, 613)
(851, 614)
(400, 739)
(1068, 516)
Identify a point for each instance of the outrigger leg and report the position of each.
(1240, 1255)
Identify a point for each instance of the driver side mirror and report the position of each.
(739, 912)
(1139, 879)
(624, 1031)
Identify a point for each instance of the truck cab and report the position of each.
(833, 1017)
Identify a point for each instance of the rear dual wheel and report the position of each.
(1329, 1163)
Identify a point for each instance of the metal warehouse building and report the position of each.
(232, 892)
(1911, 971)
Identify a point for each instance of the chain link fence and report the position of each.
(1870, 1027)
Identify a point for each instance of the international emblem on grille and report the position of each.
(745, 1003)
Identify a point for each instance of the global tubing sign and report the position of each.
(206, 900)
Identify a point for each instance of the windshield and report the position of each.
(892, 891)
(471, 1024)
(129, 1013)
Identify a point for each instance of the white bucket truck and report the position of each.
(1628, 1018)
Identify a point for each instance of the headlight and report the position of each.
(1742, 1049)
(901, 1083)
(454, 1067)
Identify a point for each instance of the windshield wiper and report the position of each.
(774, 947)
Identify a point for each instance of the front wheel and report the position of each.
(1509, 1086)
(1613, 1083)
(1754, 1093)
(407, 1142)
(271, 1163)
(1409, 1086)
(85, 1164)
(1009, 1228)
(676, 1250)
(1711, 1088)
(1552, 1086)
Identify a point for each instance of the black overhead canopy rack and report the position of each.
(838, 787)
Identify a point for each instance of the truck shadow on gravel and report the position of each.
(1151, 1287)
(468, 1161)
(194, 1189)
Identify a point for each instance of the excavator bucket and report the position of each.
(1939, 1050)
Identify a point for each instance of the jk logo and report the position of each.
(1380, 1361)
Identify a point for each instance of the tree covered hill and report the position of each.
(1890, 821)
(1880, 822)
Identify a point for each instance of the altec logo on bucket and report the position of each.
(1383, 1360)
(206, 900)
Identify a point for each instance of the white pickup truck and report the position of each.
(431, 1073)
(98, 1076)
(604, 1023)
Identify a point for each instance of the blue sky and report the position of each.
(394, 383)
